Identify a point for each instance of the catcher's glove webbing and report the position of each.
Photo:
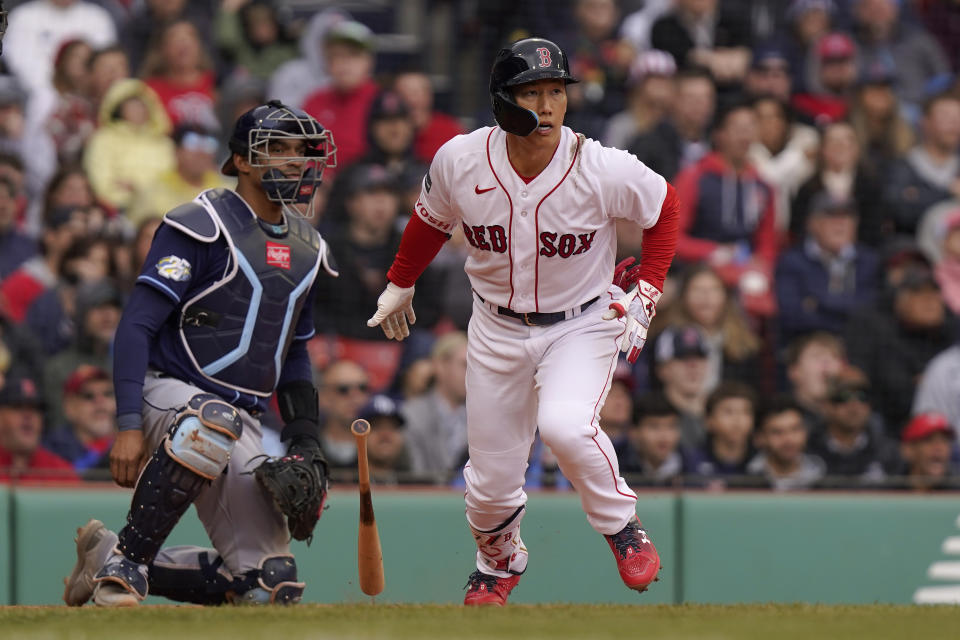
(298, 484)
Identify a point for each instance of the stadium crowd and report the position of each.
(808, 334)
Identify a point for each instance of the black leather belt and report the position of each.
(536, 319)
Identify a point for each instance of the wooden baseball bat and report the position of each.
(369, 555)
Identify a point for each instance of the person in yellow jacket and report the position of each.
(132, 145)
(195, 171)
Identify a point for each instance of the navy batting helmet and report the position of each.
(525, 60)
(272, 121)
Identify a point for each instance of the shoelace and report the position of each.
(477, 578)
(627, 538)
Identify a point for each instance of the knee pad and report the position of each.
(274, 582)
(501, 549)
(194, 452)
(203, 435)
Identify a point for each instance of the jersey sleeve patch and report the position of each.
(174, 268)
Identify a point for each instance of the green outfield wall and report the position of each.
(718, 548)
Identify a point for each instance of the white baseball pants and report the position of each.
(555, 378)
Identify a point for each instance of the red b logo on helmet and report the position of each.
(544, 56)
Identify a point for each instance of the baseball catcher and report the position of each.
(216, 324)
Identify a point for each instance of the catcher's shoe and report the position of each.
(121, 582)
(483, 588)
(94, 544)
(637, 558)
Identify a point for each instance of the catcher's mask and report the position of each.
(291, 178)
(524, 61)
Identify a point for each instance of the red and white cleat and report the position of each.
(637, 559)
(485, 589)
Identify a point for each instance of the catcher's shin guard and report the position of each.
(274, 582)
(194, 452)
(500, 551)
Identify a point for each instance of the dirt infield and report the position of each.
(663, 622)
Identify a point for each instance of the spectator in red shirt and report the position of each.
(433, 127)
(179, 70)
(21, 424)
(727, 213)
(343, 105)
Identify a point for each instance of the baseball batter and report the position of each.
(538, 204)
(217, 322)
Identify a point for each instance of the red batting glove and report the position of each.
(624, 278)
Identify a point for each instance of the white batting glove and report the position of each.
(394, 310)
(639, 305)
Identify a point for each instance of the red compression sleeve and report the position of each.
(660, 241)
(418, 247)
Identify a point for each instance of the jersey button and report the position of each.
(523, 213)
(523, 194)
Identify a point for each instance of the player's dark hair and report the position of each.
(779, 403)
(653, 404)
(731, 389)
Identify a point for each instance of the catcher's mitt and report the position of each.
(298, 484)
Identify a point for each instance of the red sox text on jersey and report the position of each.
(543, 245)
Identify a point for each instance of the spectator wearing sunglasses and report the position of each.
(194, 170)
(90, 408)
(852, 442)
(344, 391)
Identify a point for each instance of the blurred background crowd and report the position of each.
(808, 334)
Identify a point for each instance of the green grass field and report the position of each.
(660, 622)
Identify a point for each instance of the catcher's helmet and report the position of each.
(524, 61)
(274, 120)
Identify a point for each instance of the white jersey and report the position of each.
(544, 246)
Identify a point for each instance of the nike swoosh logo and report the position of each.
(479, 190)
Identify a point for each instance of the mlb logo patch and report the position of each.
(278, 255)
